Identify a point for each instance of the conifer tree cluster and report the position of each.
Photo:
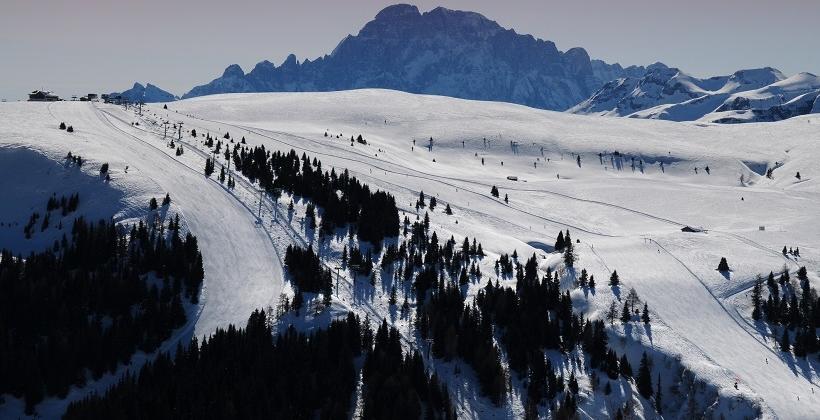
(396, 385)
(307, 272)
(76, 160)
(67, 205)
(247, 373)
(458, 330)
(795, 307)
(343, 199)
(83, 306)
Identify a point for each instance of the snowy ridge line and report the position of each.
(429, 178)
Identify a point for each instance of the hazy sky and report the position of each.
(80, 46)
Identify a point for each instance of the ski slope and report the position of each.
(628, 220)
(226, 229)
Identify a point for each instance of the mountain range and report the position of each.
(466, 55)
(755, 95)
(147, 94)
(443, 52)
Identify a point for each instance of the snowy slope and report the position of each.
(226, 229)
(626, 220)
(755, 95)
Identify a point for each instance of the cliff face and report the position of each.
(443, 52)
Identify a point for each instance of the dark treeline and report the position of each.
(795, 307)
(459, 330)
(82, 307)
(534, 317)
(423, 253)
(246, 373)
(307, 272)
(397, 386)
(66, 204)
(342, 197)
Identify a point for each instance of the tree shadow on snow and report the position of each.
(648, 330)
(616, 290)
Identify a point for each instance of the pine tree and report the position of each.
(506, 198)
(392, 296)
(569, 255)
(645, 315)
(757, 298)
(644, 379)
(592, 281)
(626, 316)
(167, 200)
(614, 280)
(559, 242)
(494, 191)
(448, 210)
(463, 279)
(152, 205)
(583, 280)
(624, 367)
(723, 266)
(420, 202)
(612, 313)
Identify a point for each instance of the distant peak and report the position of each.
(398, 11)
(137, 85)
(233, 71)
(657, 65)
(290, 61)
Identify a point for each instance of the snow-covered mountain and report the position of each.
(148, 94)
(444, 52)
(755, 95)
(710, 357)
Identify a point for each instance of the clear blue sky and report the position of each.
(79, 46)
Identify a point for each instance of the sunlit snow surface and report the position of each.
(625, 220)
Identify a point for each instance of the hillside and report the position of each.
(569, 177)
(626, 220)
